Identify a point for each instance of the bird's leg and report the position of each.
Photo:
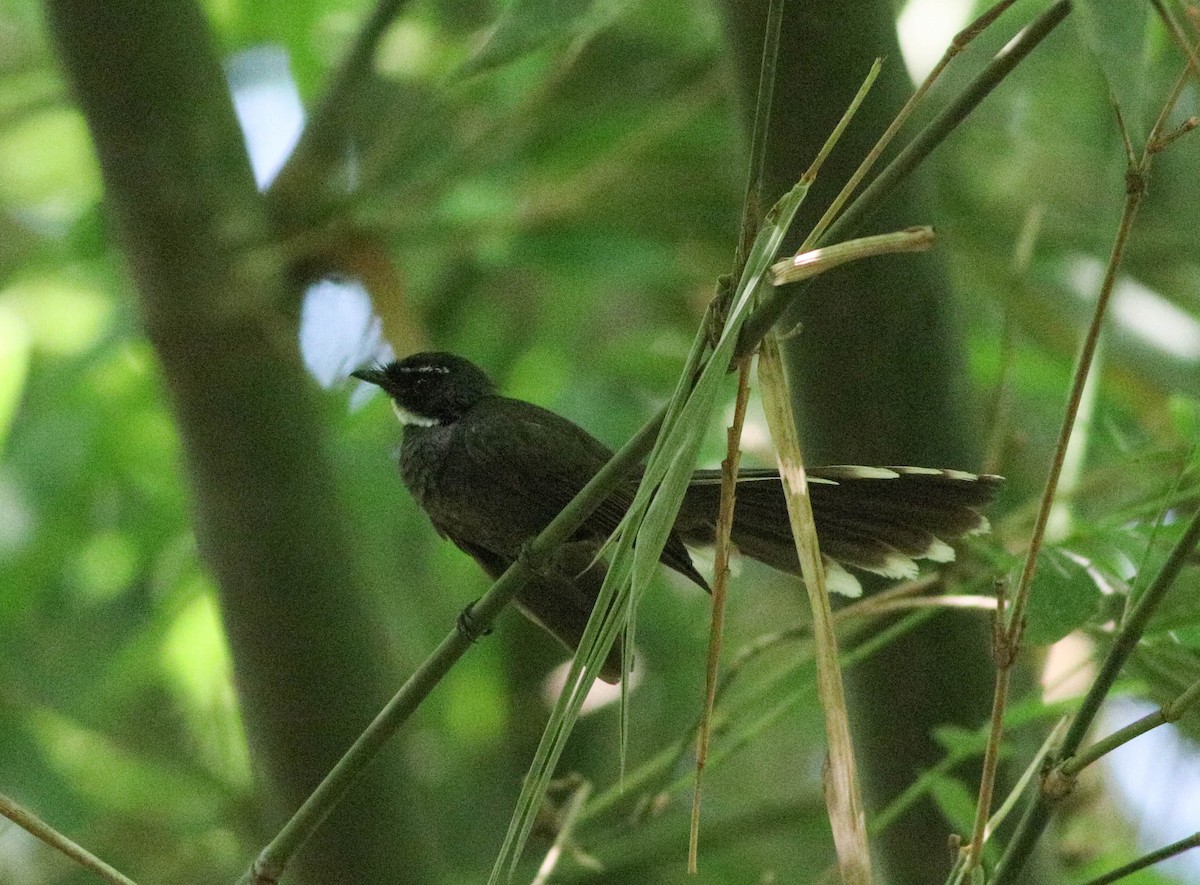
(536, 561)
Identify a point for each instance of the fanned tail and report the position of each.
(878, 519)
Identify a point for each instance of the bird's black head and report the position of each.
(430, 388)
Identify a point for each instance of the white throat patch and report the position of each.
(406, 417)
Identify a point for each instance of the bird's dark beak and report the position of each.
(371, 376)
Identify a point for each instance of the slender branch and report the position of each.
(1154, 142)
(1002, 405)
(948, 601)
(1004, 653)
(1177, 34)
(815, 235)
(724, 532)
(1130, 634)
(1168, 138)
(809, 263)
(777, 702)
(1167, 713)
(1009, 644)
(891, 600)
(35, 826)
(751, 219)
(1034, 767)
(919, 788)
(1148, 860)
(1034, 821)
(948, 120)
(960, 42)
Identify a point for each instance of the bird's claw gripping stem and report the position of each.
(466, 626)
(532, 559)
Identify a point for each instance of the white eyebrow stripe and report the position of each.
(440, 370)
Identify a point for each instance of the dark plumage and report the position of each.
(492, 472)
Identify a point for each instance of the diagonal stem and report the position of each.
(35, 826)
(269, 865)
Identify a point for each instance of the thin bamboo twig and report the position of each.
(884, 602)
(1148, 860)
(1009, 645)
(960, 42)
(669, 758)
(777, 702)
(950, 600)
(919, 788)
(961, 871)
(891, 600)
(948, 119)
(1135, 591)
(1002, 404)
(1130, 634)
(1159, 140)
(1170, 712)
(1034, 767)
(809, 263)
(867, 608)
(752, 202)
(38, 828)
(1033, 822)
(814, 236)
(724, 532)
(748, 230)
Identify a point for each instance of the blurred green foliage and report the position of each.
(559, 190)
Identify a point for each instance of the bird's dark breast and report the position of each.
(422, 455)
(451, 488)
(498, 476)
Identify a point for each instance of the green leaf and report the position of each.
(682, 439)
(15, 352)
(1065, 594)
(1114, 31)
(1185, 416)
(954, 800)
(958, 741)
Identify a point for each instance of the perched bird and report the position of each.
(492, 472)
